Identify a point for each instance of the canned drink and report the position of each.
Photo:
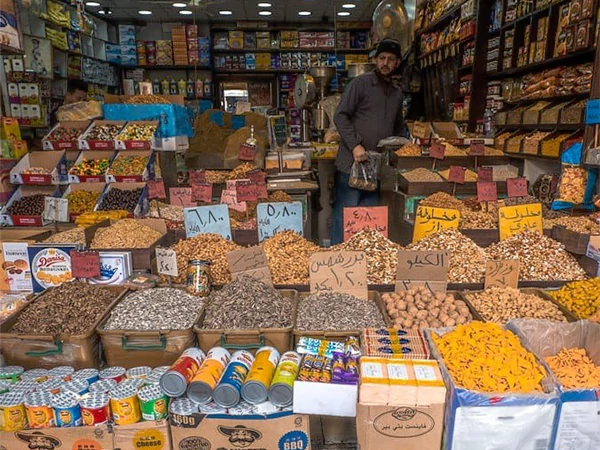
(153, 403)
(135, 383)
(95, 409)
(38, 406)
(66, 410)
(37, 375)
(198, 277)
(207, 378)
(78, 386)
(174, 382)
(255, 389)
(125, 405)
(11, 373)
(281, 392)
(25, 386)
(51, 385)
(116, 373)
(12, 412)
(228, 391)
(183, 406)
(62, 372)
(102, 386)
(139, 372)
(89, 375)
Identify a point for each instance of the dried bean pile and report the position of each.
(72, 236)
(117, 198)
(126, 233)
(541, 258)
(32, 205)
(331, 311)
(247, 303)
(71, 308)
(288, 254)
(155, 309)
(442, 200)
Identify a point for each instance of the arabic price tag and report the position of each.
(477, 148)
(197, 176)
(257, 176)
(246, 191)
(85, 264)
(357, 219)
(250, 261)
(487, 191)
(229, 198)
(247, 152)
(261, 191)
(166, 261)
(513, 220)
(430, 220)
(516, 187)
(437, 151)
(202, 192)
(502, 273)
(485, 174)
(55, 209)
(457, 174)
(181, 196)
(275, 217)
(419, 130)
(207, 219)
(344, 272)
(156, 189)
(422, 268)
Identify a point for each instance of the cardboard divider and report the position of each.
(26, 191)
(49, 143)
(88, 155)
(53, 161)
(94, 438)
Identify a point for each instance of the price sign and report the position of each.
(197, 176)
(357, 219)
(55, 209)
(430, 220)
(261, 191)
(422, 268)
(502, 273)
(513, 220)
(457, 174)
(257, 177)
(275, 217)
(477, 148)
(85, 264)
(229, 198)
(166, 261)
(487, 191)
(420, 130)
(344, 272)
(437, 151)
(181, 196)
(485, 174)
(202, 192)
(247, 152)
(246, 191)
(207, 219)
(250, 261)
(592, 112)
(156, 189)
(516, 187)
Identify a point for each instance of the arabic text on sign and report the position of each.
(339, 272)
(485, 174)
(156, 189)
(437, 151)
(207, 219)
(197, 176)
(275, 217)
(477, 148)
(202, 192)
(487, 191)
(358, 218)
(246, 192)
(430, 220)
(502, 273)
(181, 196)
(516, 187)
(85, 264)
(513, 220)
(457, 174)
(166, 261)
(250, 261)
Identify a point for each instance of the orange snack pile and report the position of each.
(574, 369)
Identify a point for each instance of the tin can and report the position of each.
(198, 277)
(12, 412)
(116, 373)
(5, 386)
(174, 382)
(11, 373)
(153, 403)
(66, 410)
(125, 405)
(183, 406)
(62, 372)
(135, 383)
(89, 375)
(153, 379)
(139, 372)
(95, 409)
(51, 385)
(228, 391)
(37, 375)
(207, 378)
(77, 386)
(255, 389)
(38, 406)
(281, 392)
(25, 386)
(102, 386)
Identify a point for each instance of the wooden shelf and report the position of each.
(445, 18)
(537, 12)
(557, 98)
(292, 50)
(6, 50)
(188, 67)
(558, 127)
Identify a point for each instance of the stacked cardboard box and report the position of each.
(191, 33)
(180, 49)
(128, 45)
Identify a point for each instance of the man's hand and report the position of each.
(359, 153)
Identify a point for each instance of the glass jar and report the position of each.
(198, 277)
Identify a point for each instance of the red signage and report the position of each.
(202, 192)
(156, 189)
(487, 191)
(437, 151)
(516, 187)
(457, 174)
(85, 264)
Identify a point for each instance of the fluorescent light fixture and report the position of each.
(92, 4)
(186, 12)
(179, 5)
(343, 13)
(264, 5)
(348, 5)
(264, 13)
(101, 12)
(145, 12)
(304, 13)
(226, 12)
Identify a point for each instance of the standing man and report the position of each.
(370, 110)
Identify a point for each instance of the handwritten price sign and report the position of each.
(229, 198)
(457, 174)
(422, 268)
(166, 261)
(202, 192)
(487, 191)
(257, 177)
(502, 273)
(275, 217)
(246, 191)
(85, 264)
(485, 174)
(430, 220)
(207, 219)
(477, 148)
(513, 220)
(247, 152)
(437, 151)
(250, 261)
(344, 272)
(357, 219)
(156, 189)
(197, 176)
(516, 187)
(181, 196)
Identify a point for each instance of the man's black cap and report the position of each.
(389, 45)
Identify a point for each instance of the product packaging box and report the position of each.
(327, 399)
(41, 168)
(33, 220)
(85, 143)
(142, 205)
(52, 142)
(142, 435)
(147, 174)
(15, 271)
(90, 155)
(50, 265)
(79, 438)
(97, 187)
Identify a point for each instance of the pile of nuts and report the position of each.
(209, 247)
(332, 311)
(416, 309)
(502, 304)
(216, 176)
(65, 134)
(490, 151)
(541, 258)
(451, 150)
(155, 309)
(422, 175)
(126, 233)
(409, 150)
(104, 132)
(582, 298)
(382, 255)
(166, 211)
(477, 220)
(470, 176)
(137, 132)
(467, 259)
(551, 147)
(531, 142)
(146, 99)
(580, 224)
(36, 171)
(442, 200)
(288, 254)
(72, 236)
(82, 201)
(572, 185)
(32, 205)
(129, 165)
(247, 303)
(71, 308)
(241, 172)
(91, 167)
(117, 198)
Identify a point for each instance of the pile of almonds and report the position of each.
(288, 254)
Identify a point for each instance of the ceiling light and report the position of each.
(226, 13)
(343, 13)
(92, 4)
(264, 5)
(105, 10)
(179, 5)
(348, 5)
(186, 12)
(304, 13)
(145, 12)
(264, 13)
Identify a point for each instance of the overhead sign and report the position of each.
(429, 220)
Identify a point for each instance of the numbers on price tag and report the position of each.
(166, 261)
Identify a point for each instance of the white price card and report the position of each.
(207, 219)
(55, 209)
(166, 261)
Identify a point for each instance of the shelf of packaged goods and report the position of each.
(557, 98)
(555, 127)
(292, 50)
(441, 49)
(339, 27)
(537, 12)
(182, 67)
(6, 50)
(267, 71)
(443, 19)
